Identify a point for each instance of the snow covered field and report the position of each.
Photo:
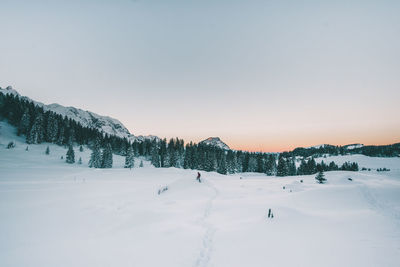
(55, 214)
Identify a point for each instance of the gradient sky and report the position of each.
(262, 75)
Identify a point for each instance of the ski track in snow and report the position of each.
(207, 244)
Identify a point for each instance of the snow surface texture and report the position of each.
(216, 142)
(57, 214)
(88, 119)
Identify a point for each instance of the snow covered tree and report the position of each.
(155, 157)
(36, 134)
(47, 150)
(222, 164)
(23, 127)
(107, 157)
(95, 157)
(320, 177)
(60, 136)
(291, 164)
(270, 167)
(80, 160)
(282, 169)
(130, 158)
(252, 163)
(52, 128)
(141, 164)
(81, 148)
(70, 157)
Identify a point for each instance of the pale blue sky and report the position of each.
(262, 75)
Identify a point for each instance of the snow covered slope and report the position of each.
(215, 141)
(89, 119)
(56, 214)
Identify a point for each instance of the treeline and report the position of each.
(40, 126)
(372, 151)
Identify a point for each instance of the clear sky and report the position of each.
(262, 75)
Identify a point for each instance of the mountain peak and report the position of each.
(216, 142)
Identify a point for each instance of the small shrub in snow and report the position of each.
(320, 177)
(350, 179)
(11, 145)
(141, 164)
(47, 150)
(270, 214)
(81, 148)
(80, 161)
(163, 189)
(301, 181)
(27, 148)
(382, 170)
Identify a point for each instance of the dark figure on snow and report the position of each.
(198, 177)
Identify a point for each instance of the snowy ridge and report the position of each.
(317, 146)
(216, 142)
(353, 146)
(88, 119)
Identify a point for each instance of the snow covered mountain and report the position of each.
(215, 141)
(353, 146)
(88, 119)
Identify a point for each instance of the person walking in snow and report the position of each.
(198, 177)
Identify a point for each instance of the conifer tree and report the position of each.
(141, 164)
(282, 169)
(291, 166)
(23, 127)
(155, 158)
(52, 128)
(320, 177)
(81, 148)
(36, 134)
(222, 164)
(95, 157)
(271, 165)
(80, 160)
(129, 159)
(107, 157)
(70, 157)
(47, 150)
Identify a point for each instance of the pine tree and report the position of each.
(271, 165)
(52, 128)
(95, 157)
(155, 158)
(291, 166)
(107, 157)
(320, 177)
(23, 127)
(70, 158)
(47, 150)
(80, 160)
(141, 164)
(129, 159)
(282, 169)
(81, 148)
(36, 134)
(222, 164)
